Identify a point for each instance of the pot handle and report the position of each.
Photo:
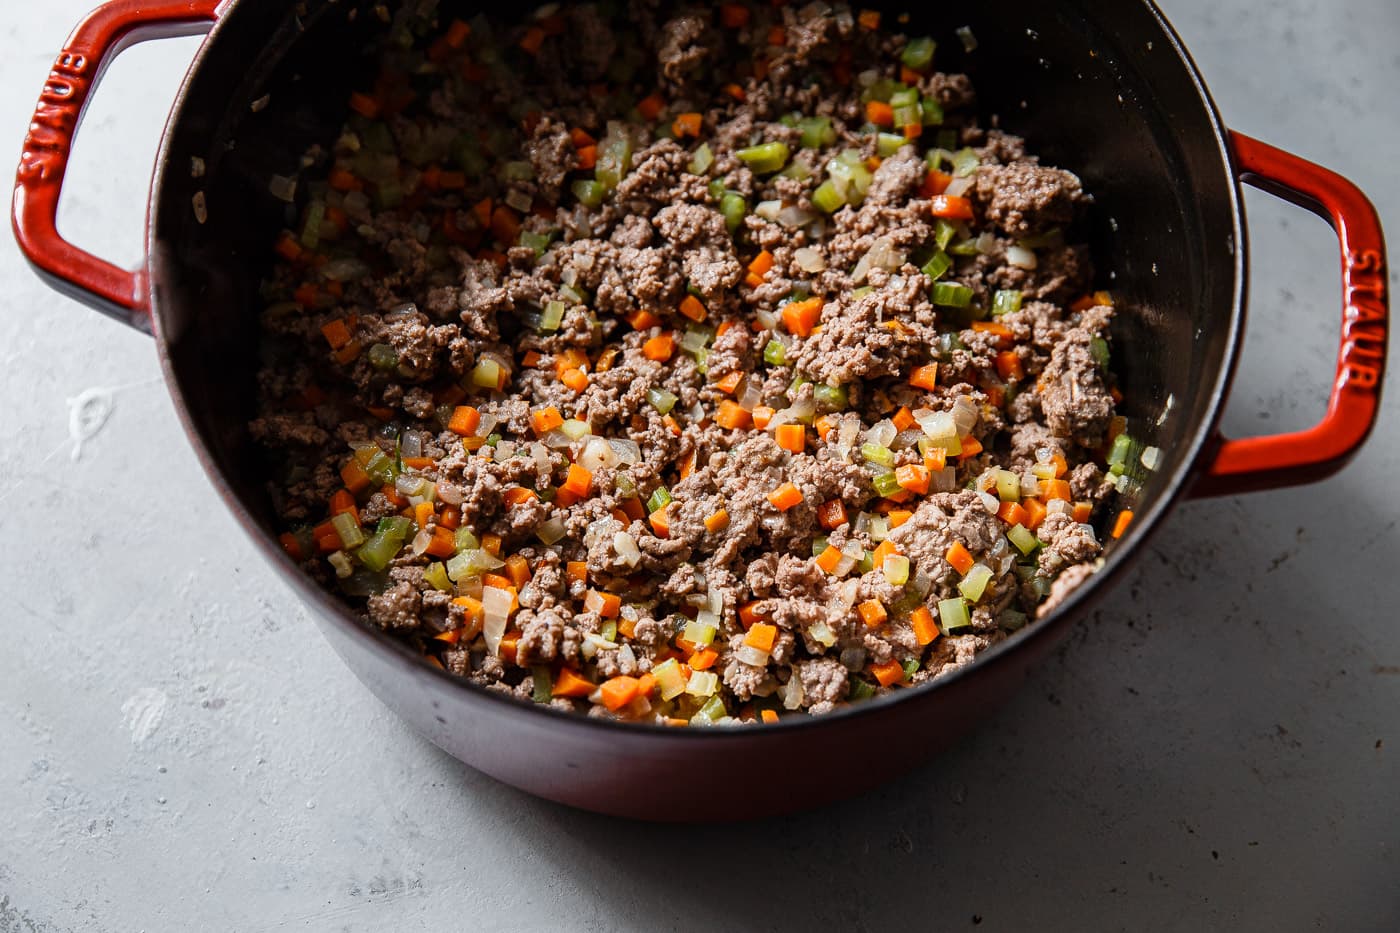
(1255, 463)
(93, 45)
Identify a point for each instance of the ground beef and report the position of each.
(675, 415)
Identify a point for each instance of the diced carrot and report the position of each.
(627, 628)
(579, 480)
(792, 437)
(532, 40)
(749, 615)
(354, 477)
(736, 92)
(688, 464)
(1009, 366)
(1035, 512)
(643, 320)
(824, 424)
(889, 673)
(768, 716)
(829, 559)
(925, 629)
(336, 333)
(473, 614)
(951, 207)
(1121, 523)
(800, 317)
(388, 491)
(572, 358)
(912, 131)
(692, 308)
(730, 382)
(618, 692)
(1012, 513)
(621, 516)
(650, 107)
(646, 684)
(291, 545)
(465, 420)
(734, 15)
(762, 263)
(936, 460)
(717, 522)
(364, 105)
(913, 477)
(545, 420)
(959, 557)
(879, 113)
(903, 419)
(731, 416)
(872, 613)
(419, 463)
(1052, 489)
(703, 659)
(996, 395)
(342, 179)
(607, 605)
(925, 377)
(452, 181)
(661, 521)
(935, 183)
(898, 517)
(659, 348)
(1061, 464)
(762, 636)
(634, 509)
(570, 684)
(869, 19)
(518, 569)
(575, 379)
(580, 138)
(671, 425)
(785, 497)
(576, 571)
(422, 512)
(762, 414)
(1083, 511)
(505, 225)
(443, 542)
(491, 544)
(587, 157)
(686, 124)
(777, 35)
(457, 33)
(971, 447)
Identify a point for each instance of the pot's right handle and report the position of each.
(92, 46)
(1247, 464)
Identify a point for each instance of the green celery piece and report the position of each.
(765, 158)
(953, 616)
(831, 398)
(734, 208)
(1006, 301)
(659, 499)
(918, 53)
(544, 688)
(938, 265)
(775, 353)
(589, 193)
(827, 199)
(951, 295)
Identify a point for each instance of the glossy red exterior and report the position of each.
(93, 45)
(1306, 456)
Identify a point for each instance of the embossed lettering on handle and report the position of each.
(1245, 464)
(49, 141)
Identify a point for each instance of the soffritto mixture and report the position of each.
(687, 367)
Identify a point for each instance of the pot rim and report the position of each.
(1146, 522)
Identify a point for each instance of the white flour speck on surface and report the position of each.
(143, 712)
(87, 413)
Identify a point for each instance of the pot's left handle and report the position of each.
(93, 45)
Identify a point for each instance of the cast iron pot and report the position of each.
(1102, 87)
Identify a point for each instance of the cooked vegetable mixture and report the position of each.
(690, 366)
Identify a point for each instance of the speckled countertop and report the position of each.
(1217, 748)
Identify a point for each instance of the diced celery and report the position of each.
(1122, 449)
(1006, 301)
(351, 536)
(946, 139)
(662, 400)
(975, 583)
(918, 53)
(938, 265)
(553, 316)
(544, 687)
(932, 111)
(659, 499)
(775, 353)
(953, 615)
(699, 633)
(887, 144)
(943, 233)
(817, 132)
(436, 575)
(383, 356)
(967, 247)
(819, 544)
(1098, 348)
(911, 667)
(614, 157)
(965, 163)
(765, 158)
(827, 199)
(831, 398)
(1025, 541)
(1052, 237)
(951, 295)
(701, 160)
(1011, 620)
(713, 711)
(486, 374)
(573, 294)
(860, 690)
(1008, 486)
(876, 453)
(379, 550)
(896, 569)
(716, 188)
(396, 525)
(904, 97)
(886, 484)
(539, 242)
(669, 679)
(734, 208)
(464, 540)
(311, 226)
(608, 630)
(866, 563)
(589, 193)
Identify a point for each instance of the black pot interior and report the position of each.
(1097, 86)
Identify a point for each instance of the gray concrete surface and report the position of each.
(1217, 748)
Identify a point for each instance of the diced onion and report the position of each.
(792, 693)
(809, 260)
(751, 655)
(627, 452)
(702, 684)
(597, 454)
(965, 415)
(768, 210)
(821, 633)
(960, 187)
(495, 604)
(1021, 258)
(990, 502)
(551, 530)
(1151, 457)
(792, 217)
(626, 547)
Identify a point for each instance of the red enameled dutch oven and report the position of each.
(1102, 87)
